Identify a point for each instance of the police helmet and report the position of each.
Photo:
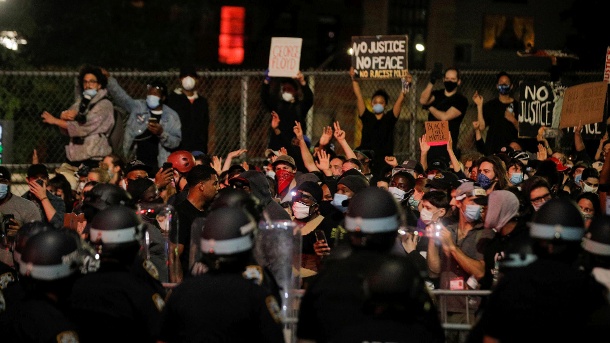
(373, 219)
(117, 231)
(596, 243)
(27, 231)
(232, 197)
(226, 239)
(518, 253)
(103, 195)
(557, 229)
(181, 160)
(50, 255)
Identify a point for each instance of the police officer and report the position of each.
(116, 297)
(548, 299)
(223, 304)
(49, 265)
(334, 300)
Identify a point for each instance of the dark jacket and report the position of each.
(195, 119)
(259, 188)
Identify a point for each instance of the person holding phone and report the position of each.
(153, 129)
(314, 226)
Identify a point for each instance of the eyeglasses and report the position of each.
(89, 82)
(541, 199)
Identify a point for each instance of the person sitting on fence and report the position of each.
(153, 129)
(89, 121)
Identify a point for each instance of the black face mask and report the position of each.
(450, 86)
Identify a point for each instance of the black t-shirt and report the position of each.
(148, 148)
(501, 131)
(187, 213)
(378, 134)
(443, 103)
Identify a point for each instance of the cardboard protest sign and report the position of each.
(537, 102)
(437, 132)
(583, 103)
(590, 131)
(285, 56)
(380, 57)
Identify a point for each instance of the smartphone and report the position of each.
(320, 236)
(167, 165)
(153, 120)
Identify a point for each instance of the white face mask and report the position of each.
(587, 188)
(398, 193)
(426, 216)
(188, 83)
(288, 97)
(300, 210)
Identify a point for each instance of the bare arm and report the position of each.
(478, 100)
(230, 156)
(340, 137)
(357, 92)
(451, 113)
(305, 154)
(401, 96)
(426, 97)
(424, 147)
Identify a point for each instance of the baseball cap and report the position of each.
(137, 165)
(470, 189)
(506, 150)
(444, 180)
(197, 153)
(438, 164)
(409, 166)
(271, 152)
(284, 159)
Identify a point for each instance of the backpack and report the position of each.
(117, 133)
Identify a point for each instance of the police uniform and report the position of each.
(221, 307)
(113, 304)
(37, 319)
(334, 301)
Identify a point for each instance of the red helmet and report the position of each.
(181, 160)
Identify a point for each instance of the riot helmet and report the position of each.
(557, 229)
(27, 231)
(117, 232)
(596, 244)
(103, 195)
(373, 219)
(50, 255)
(227, 239)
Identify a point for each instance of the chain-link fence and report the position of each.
(238, 119)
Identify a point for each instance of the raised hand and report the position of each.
(391, 160)
(236, 153)
(323, 162)
(298, 130)
(423, 144)
(476, 125)
(216, 164)
(339, 134)
(301, 78)
(477, 98)
(327, 135)
(542, 154)
(275, 120)
(283, 151)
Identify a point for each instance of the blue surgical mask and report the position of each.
(516, 178)
(483, 181)
(152, 101)
(577, 178)
(338, 202)
(378, 108)
(414, 204)
(472, 213)
(89, 93)
(504, 89)
(3, 190)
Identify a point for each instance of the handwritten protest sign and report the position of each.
(590, 131)
(583, 103)
(607, 68)
(437, 132)
(285, 56)
(537, 104)
(380, 57)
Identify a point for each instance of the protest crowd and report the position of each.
(157, 239)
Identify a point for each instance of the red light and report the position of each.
(231, 38)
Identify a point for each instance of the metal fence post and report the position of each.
(243, 127)
(309, 119)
